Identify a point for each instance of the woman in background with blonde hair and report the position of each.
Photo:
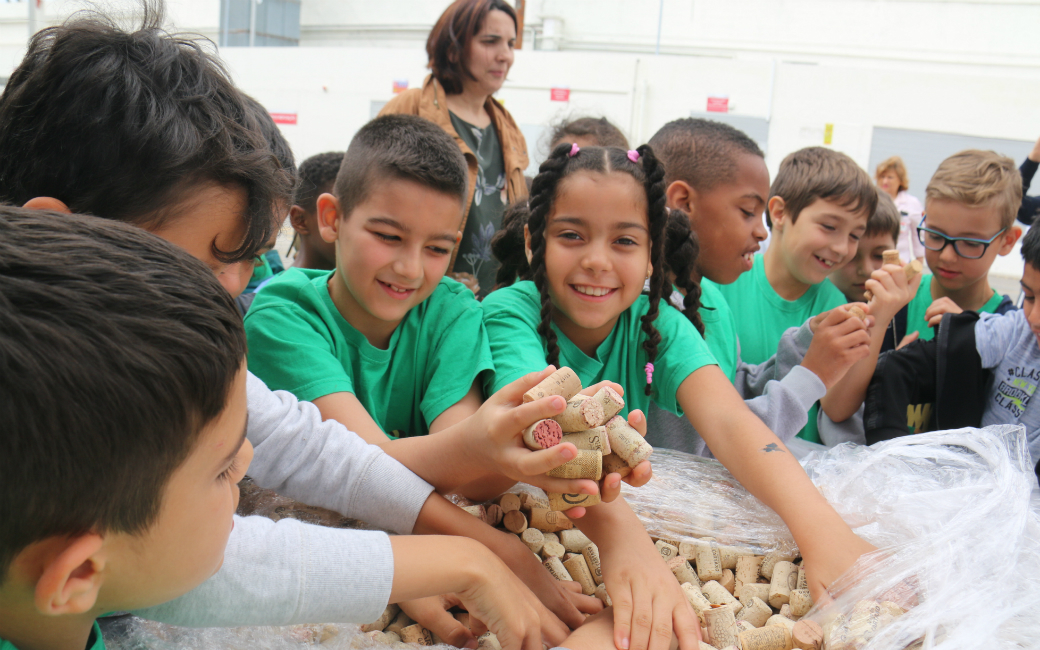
(891, 178)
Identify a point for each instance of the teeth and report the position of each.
(825, 262)
(591, 291)
(395, 289)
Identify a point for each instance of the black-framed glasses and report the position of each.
(967, 247)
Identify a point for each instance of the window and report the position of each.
(267, 23)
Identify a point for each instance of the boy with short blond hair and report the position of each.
(970, 208)
(818, 208)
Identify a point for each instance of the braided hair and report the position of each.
(508, 244)
(681, 251)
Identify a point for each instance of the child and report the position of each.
(317, 174)
(122, 454)
(205, 180)
(717, 183)
(968, 221)
(595, 233)
(818, 208)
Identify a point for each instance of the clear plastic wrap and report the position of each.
(951, 512)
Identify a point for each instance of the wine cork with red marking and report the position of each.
(782, 583)
(610, 401)
(477, 511)
(563, 382)
(534, 539)
(494, 514)
(752, 590)
(556, 569)
(800, 602)
(562, 501)
(508, 502)
(709, 560)
(717, 595)
(604, 597)
(549, 521)
(389, 614)
(591, 555)
(514, 521)
(552, 549)
(416, 634)
(756, 612)
(696, 598)
(682, 570)
(776, 637)
(582, 413)
(807, 635)
(488, 641)
(579, 570)
(595, 439)
(543, 434)
(587, 464)
(626, 441)
(614, 464)
(722, 626)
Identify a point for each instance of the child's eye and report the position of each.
(854, 236)
(627, 241)
(386, 237)
(437, 250)
(827, 228)
(230, 471)
(569, 234)
(747, 213)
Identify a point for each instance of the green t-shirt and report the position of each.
(489, 202)
(299, 342)
(762, 316)
(95, 642)
(915, 321)
(512, 315)
(720, 330)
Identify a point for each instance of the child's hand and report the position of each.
(940, 306)
(908, 339)
(891, 292)
(824, 566)
(432, 613)
(641, 473)
(841, 340)
(495, 436)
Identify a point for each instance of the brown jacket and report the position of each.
(430, 102)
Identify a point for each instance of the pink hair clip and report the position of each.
(574, 150)
(633, 155)
(649, 373)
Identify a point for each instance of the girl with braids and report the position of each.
(595, 230)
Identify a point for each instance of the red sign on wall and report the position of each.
(284, 118)
(560, 94)
(718, 104)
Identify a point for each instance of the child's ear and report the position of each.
(329, 213)
(72, 577)
(1008, 239)
(527, 244)
(777, 211)
(47, 203)
(681, 196)
(298, 220)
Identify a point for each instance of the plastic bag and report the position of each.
(951, 512)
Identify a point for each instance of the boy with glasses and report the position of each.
(970, 207)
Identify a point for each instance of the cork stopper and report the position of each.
(514, 521)
(696, 598)
(913, 269)
(574, 540)
(722, 626)
(752, 590)
(533, 539)
(802, 582)
(717, 595)
(610, 401)
(560, 501)
(508, 502)
(529, 502)
(682, 570)
(543, 434)
(579, 570)
(807, 635)
(591, 555)
(756, 612)
(801, 602)
(556, 569)
(667, 551)
(416, 634)
(777, 619)
(614, 464)
(384, 619)
(552, 549)
(744, 626)
(477, 511)
(857, 312)
(727, 581)
(766, 638)
(563, 382)
(890, 257)
(594, 439)
(626, 441)
(549, 521)
(770, 560)
(783, 582)
(604, 597)
(587, 464)
(709, 561)
(488, 641)
(400, 622)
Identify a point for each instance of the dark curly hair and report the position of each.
(508, 244)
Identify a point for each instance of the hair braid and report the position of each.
(681, 253)
(657, 220)
(542, 192)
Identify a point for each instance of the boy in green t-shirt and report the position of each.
(817, 209)
(384, 341)
(970, 207)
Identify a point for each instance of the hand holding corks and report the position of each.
(892, 286)
(606, 442)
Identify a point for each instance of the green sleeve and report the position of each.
(681, 352)
(292, 349)
(459, 355)
(512, 329)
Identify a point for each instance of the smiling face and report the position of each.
(951, 271)
(728, 221)
(889, 182)
(825, 236)
(186, 544)
(391, 251)
(1031, 287)
(852, 277)
(490, 54)
(597, 253)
